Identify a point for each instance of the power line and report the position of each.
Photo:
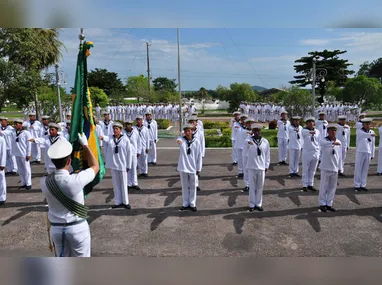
(221, 43)
(119, 48)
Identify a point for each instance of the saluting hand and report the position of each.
(27, 158)
(179, 141)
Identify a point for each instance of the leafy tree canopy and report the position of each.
(108, 81)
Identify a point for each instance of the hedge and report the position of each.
(163, 123)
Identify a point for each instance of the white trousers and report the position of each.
(152, 155)
(282, 148)
(234, 152)
(132, 176)
(239, 160)
(77, 241)
(24, 169)
(379, 169)
(246, 174)
(3, 186)
(188, 181)
(309, 167)
(119, 179)
(328, 186)
(36, 152)
(256, 186)
(294, 159)
(342, 159)
(362, 162)
(142, 163)
(11, 162)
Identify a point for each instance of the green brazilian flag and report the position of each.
(83, 120)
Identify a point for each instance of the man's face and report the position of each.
(296, 122)
(53, 132)
(342, 122)
(248, 125)
(148, 117)
(242, 120)
(310, 124)
(68, 117)
(322, 117)
(332, 133)
(283, 116)
(18, 126)
(45, 122)
(107, 117)
(194, 123)
(4, 123)
(117, 131)
(139, 122)
(256, 132)
(32, 117)
(366, 126)
(68, 127)
(188, 132)
(237, 117)
(129, 127)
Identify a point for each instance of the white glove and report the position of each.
(82, 139)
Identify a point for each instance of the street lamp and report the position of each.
(60, 80)
(315, 76)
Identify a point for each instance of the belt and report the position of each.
(66, 224)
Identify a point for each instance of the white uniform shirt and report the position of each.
(3, 152)
(21, 147)
(235, 127)
(107, 128)
(135, 141)
(295, 137)
(46, 142)
(241, 137)
(247, 145)
(358, 125)
(72, 186)
(189, 163)
(331, 155)
(153, 130)
(34, 128)
(256, 161)
(380, 136)
(343, 135)
(99, 133)
(144, 136)
(283, 127)
(365, 142)
(121, 160)
(319, 123)
(311, 142)
(6, 133)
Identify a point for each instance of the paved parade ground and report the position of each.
(289, 226)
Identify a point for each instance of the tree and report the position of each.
(108, 81)
(165, 84)
(98, 96)
(10, 75)
(222, 92)
(362, 90)
(137, 86)
(337, 69)
(202, 94)
(47, 96)
(297, 101)
(373, 70)
(239, 92)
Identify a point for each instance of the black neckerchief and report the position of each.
(258, 142)
(46, 130)
(312, 136)
(148, 124)
(189, 144)
(53, 140)
(343, 131)
(17, 135)
(285, 123)
(32, 122)
(129, 134)
(106, 124)
(297, 127)
(328, 139)
(368, 139)
(4, 128)
(116, 143)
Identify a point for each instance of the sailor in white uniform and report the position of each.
(248, 137)
(69, 229)
(240, 136)
(3, 161)
(364, 153)
(358, 124)
(295, 146)
(343, 135)
(152, 126)
(379, 168)
(106, 127)
(34, 128)
(310, 154)
(21, 149)
(329, 167)
(283, 137)
(234, 124)
(6, 132)
(66, 131)
(189, 166)
(144, 137)
(257, 164)
(119, 160)
(136, 149)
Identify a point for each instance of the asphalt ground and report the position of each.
(290, 226)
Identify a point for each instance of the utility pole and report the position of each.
(180, 89)
(59, 93)
(148, 67)
(314, 87)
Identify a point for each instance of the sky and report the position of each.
(213, 56)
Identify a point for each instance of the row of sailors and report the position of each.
(313, 142)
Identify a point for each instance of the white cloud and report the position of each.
(314, 42)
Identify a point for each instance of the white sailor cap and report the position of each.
(129, 122)
(3, 118)
(362, 114)
(332, 126)
(60, 149)
(68, 122)
(106, 113)
(236, 113)
(256, 126)
(296, 118)
(243, 116)
(148, 113)
(54, 125)
(342, 117)
(284, 112)
(195, 113)
(69, 114)
(18, 121)
(119, 125)
(32, 114)
(192, 118)
(310, 119)
(322, 113)
(45, 117)
(367, 120)
(188, 126)
(139, 117)
(249, 120)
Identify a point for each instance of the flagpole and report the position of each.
(180, 90)
(81, 36)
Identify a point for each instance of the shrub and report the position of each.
(272, 125)
(212, 132)
(163, 123)
(215, 141)
(215, 125)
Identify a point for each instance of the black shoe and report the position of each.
(305, 189)
(234, 163)
(137, 187)
(251, 209)
(246, 189)
(153, 163)
(341, 174)
(193, 209)
(2, 202)
(364, 189)
(198, 188)
(183, 208)
(285, 163)
(297, 175)
(292, 175)
(331, 209)
(240, 175)
(145, 175)
(117, 206)
(13, 173)
(28, 187)
(322, 209)
(379, 174)
(311, 188)
(38, 162)
(22, 187)
(357, 189)
(259, 208)
(127, 206)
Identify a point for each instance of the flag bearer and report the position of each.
(189, 166)
(283, 137)
(144, 137)
(152, 126)
(240, 136)
(343, 134)
(234, 123)
(310, 154)
(7, 132)
(34, 128)
(248, 124)
(69, 229)
(295, 146)
(3, 161)
(257, 165)
(330, 164)
(364, 153)
(136, 149)
(118, 159)
(21, 149)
